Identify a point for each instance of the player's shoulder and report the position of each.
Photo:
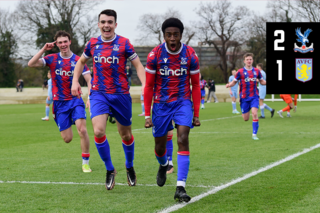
(53, 55)
(156, 50)
(241, 70)
(256, 69)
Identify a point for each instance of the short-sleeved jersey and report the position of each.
(61, 70)
(109, 63)
(235, 87)
(203, 84)
(172, 70)
(248, 82)
(264, 76)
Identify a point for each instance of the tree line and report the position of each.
(230, 30)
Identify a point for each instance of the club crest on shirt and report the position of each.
(116, 47)
(304, 68)
(151, 54)
(303, 39)
(73, 63)
(183, 61)
(97, 46)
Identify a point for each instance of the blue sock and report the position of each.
(142, 106)
(162, 159)
(47, 111)
(267, 107)
(103, 147)
(169, 147)
(262, 110)
(255, 126)
(202, 101)
(128, 147)
(234, 106)
(183, 167)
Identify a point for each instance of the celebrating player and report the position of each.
(203, 84)
(249, 98)
(110, 91)
(262, 94)
(288, 99)
(169, 69)
(49, 99)
(234, 93)
(67, 110)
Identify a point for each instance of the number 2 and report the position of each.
(277, 41)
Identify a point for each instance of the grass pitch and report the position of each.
(41, 173)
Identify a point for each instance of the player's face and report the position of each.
(107, 25)
(64, 44)
(248, 61)
(172, 36)
(234, 72)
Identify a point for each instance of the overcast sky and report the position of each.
(130, 11)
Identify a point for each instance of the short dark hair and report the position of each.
(61, 33)
(247, 55)
(172, 22)
(108, 12)
(260, 65)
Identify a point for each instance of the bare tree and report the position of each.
(40, 19)
(150, 26)
(220, 26)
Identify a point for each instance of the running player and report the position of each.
(170, 66)
(234, 93)
(203, 84)
(67, 110)
(49, 99)
(249, 98)
(110, 91)
(262, 94)
(288, 99)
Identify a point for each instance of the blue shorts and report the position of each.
(234, 94)
(119, 105)
(203, 93)
(262, 92)
(65, 113)
(180, 112)
(49, 102)
(141, 97)
(247, 103)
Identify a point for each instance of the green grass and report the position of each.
(221, 150)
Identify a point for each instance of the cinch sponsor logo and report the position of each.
(249, 79)
(63, 72)
(176, 72)
(110, 60)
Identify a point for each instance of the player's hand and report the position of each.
(76, 89)
(49, 46)
(196, 121)
(88, 104)
(148, 123)
(48, 98)
(227, 85)
(295, 109)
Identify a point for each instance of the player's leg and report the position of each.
(215, 97)
(142, 105)
(203, 94)
(67, 135)
(170, 151)
(84, 143)
(288, 100)
(46, 118)
(261, 108)
(255, 123)
(262, 95)
(209, 97)
(288, 111)
(233, 102)
(99, 111)
(121, 107)
(245, 109)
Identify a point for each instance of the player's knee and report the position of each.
(183, 139)
(126, 137)
(67, 139)
(98, 132)
(82, 131)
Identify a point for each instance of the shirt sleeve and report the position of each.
(85, 70)
(130, 53)
(151, 66)
(87, 50)
(259, 76)
(194, 65)
(237, 77)
(47, 60)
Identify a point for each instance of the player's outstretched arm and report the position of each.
(196, 98)
(140, 71)
(263, 82)
(35, 61)
(148, 93)
(231, 84)
(87, 77)
(76, 88)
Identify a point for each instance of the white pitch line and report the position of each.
(238, 180)
(74, 183)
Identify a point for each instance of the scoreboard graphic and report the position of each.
(293, 58)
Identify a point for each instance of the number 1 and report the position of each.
(279, 62)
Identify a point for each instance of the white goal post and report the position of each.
(299, 99)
